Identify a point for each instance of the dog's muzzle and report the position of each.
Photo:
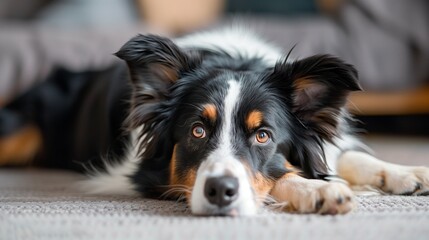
(222, 187)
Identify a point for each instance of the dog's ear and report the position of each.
(155, 63)
(317, 88)
(314, 90)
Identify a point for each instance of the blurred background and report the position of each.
(387, 41)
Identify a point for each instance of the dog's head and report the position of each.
(222, 130)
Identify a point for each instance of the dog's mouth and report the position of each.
(233, 210)
(219, 212)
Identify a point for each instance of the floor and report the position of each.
(42, 204)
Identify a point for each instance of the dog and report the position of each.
(221, 119)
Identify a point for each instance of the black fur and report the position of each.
(316, 109)
(300, 120)
(81, 114)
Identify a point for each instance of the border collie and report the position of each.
(222, 119)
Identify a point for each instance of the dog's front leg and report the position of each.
(361, 169)
(313, 196)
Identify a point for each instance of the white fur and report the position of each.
(115, 180)
(356, 167)
(341, 144)
(302, 194)
(222, 162)
(231, 102)
(361, 169)
(236, 41)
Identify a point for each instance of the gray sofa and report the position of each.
(387, 41)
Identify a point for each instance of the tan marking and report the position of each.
(305, 90)
(262, 185)
(173, 177)
(303, 83)
(254, 119)
(21, 147)
(312, 195)
(291, 167)
(164, 72)
(281, 195)
(184, 180)
(209, 112)
(289, 189)
(189, 180)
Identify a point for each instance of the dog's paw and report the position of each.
(402, 180)
(328, 198)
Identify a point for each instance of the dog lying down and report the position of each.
(221, 119)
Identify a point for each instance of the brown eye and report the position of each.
(199, 132)
(262, 137)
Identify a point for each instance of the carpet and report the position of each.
(42, 204)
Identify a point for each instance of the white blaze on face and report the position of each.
(223, 162)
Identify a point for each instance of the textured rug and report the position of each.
(41, 204)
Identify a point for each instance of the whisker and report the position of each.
(268, 199)
(172, 191)
(272, 203)
(181, 198)
(176, 185)
(278, 206)
(176, 189)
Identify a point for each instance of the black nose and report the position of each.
(221, 191)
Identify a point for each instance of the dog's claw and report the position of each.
(319, 204)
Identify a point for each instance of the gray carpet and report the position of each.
(41, 204)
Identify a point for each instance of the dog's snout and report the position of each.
(221, 191)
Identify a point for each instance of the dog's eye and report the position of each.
(262, 136)
(199, 132)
